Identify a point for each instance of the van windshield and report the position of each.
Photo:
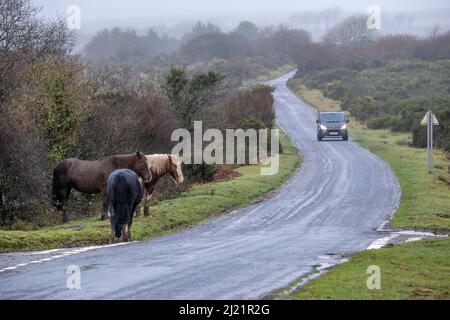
(332, 117)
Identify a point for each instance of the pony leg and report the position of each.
(60, 200)
(104, 206)
(129, 232)
(125, 231)
(60, 208)
(103, 215)
(59, 205)
(65, 215)
(146, 205)
(137, 212)
(112, 238)
(64, 204)
(137, 209)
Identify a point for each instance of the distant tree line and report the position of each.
(126, 44)
(205, 41)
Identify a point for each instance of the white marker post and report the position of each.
(430, 121)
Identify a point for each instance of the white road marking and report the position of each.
(413, 239)
(414, 236)
(416, 233)
(21, 265)
(65, 253)
(45, 252)
(382, 242)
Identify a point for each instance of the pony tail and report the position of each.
(120, 205)
(58, 190)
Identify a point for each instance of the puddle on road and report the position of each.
(327, 262)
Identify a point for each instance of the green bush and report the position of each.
(197, 173)
(335, 90)
(251, 122)
(55, 95)
(381, 122)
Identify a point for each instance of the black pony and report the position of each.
(123, 195)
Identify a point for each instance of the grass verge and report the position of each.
(199, 203)
(416, 270)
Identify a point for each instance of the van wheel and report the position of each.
(345, 138)
(319, 137)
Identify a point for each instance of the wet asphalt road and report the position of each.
(331, 207)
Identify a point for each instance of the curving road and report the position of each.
(331, 207)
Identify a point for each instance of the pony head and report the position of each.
(174, 168)
(141, 167)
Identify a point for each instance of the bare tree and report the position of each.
(350, 32)
(435, 32)
(24, 39)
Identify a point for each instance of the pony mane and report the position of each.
(158, 162)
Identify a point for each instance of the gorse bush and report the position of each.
(382, 122)
(199, 173)
(55, 96)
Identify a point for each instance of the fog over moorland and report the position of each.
(174, 18)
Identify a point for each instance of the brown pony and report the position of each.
(91, 177)
(160, 165)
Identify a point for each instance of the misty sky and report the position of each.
(129, 9)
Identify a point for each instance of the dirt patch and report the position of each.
(444, 179)
(422, 293)
(225, 172)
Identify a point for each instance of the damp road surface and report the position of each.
(331, 207)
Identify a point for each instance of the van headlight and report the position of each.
(323, 128)
(344, 127)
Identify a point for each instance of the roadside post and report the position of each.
(430, 121)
